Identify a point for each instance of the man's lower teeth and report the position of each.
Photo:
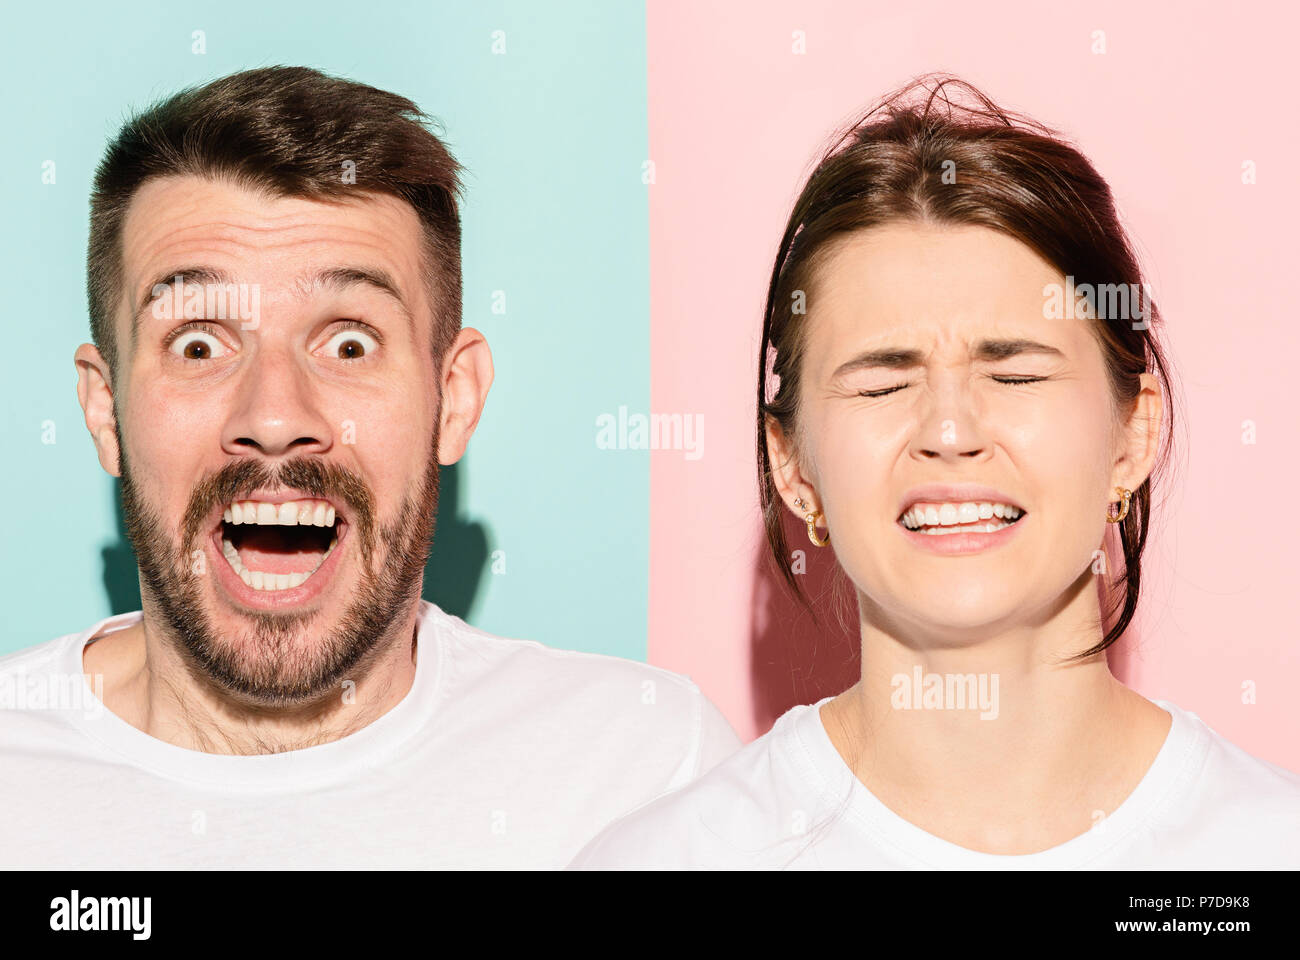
(261, 580)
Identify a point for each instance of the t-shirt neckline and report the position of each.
(337, 759)
(1175, 765)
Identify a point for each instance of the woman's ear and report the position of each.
(1141, 436)
(787, 475)
(95, 392)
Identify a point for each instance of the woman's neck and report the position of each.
(1000, 745)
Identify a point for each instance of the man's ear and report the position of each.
(787, 476)
(467, 375)
(1141, 436)
(95, 392)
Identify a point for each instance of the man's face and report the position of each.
(313, 422)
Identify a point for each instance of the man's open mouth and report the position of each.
(278, 546)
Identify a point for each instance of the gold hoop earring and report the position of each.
(811, 520)
(1125, 496)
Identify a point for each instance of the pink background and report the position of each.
(1168, 114)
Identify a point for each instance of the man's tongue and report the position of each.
(276, 550)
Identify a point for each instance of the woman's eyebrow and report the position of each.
(895, 358)
(1002, 349)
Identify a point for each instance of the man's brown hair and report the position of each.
(294, 132)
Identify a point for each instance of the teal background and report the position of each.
(553, 134)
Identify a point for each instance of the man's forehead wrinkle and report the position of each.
(168, 236)
(178, 248)
(196, 225)
(190, 211)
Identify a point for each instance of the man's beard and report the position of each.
(282, 659)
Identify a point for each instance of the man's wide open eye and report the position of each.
(197, 345)
(350, 345)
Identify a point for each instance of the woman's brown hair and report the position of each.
(919, 156)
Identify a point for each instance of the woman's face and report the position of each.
(960, 312)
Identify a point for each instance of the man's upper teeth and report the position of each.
(308, 513)
(950, 514)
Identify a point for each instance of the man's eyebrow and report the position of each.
(340, 278)
(898, 358)
(188, 275)
(337, 278)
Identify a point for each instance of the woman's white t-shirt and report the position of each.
(789, 800)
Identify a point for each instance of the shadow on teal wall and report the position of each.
(455, 570)
(121, 578)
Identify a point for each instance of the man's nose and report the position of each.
(276, 409)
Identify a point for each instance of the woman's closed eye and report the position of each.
(1008, 380)
(881, 393)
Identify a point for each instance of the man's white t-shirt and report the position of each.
(504, 753)
(788, 799)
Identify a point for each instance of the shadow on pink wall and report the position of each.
(796, 660)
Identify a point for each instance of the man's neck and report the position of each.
(149, 684)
